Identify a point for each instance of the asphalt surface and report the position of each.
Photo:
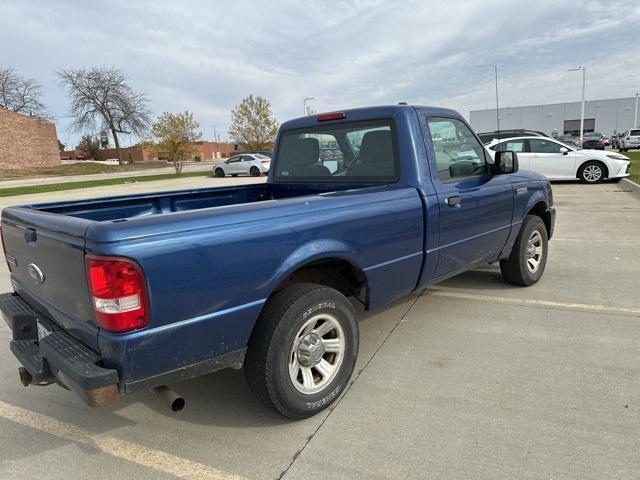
(471, 378)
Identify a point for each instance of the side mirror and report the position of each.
(506, 162)
(564, 150)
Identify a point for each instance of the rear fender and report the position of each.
(320, 249)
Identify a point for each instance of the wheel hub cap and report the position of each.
(311, 350)
(316, 354)
(534, 251)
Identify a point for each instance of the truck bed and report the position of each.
(197, 247)
(123, 208)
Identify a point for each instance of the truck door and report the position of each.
(475, 206)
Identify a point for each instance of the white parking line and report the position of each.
(437, 292)
(132, 452)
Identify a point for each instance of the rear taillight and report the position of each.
(118, 293)
(265, 161)
(4, 250)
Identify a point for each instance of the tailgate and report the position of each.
(46, 254)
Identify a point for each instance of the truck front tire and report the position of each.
(303, 350)
(528, 258)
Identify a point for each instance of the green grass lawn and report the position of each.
(75, 169)
(56, 187)
(635, 165)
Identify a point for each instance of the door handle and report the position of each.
(453, 201)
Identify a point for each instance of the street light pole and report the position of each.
(304, 104)
(497, 108)
(635, 118)
(584, 74)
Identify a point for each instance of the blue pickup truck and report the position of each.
(117, 295)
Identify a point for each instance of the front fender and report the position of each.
(522, 207)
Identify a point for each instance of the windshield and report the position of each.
(352, 152)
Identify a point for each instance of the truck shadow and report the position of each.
(487, 277)
(224, 399)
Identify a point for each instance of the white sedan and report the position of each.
(559, 161)
(254, 164)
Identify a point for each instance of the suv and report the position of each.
(487, 137)
(630, 140)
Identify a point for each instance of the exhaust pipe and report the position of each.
(173, 400)
(25, 376)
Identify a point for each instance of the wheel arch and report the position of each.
(593, 160)
(331, 270)
(541, 209)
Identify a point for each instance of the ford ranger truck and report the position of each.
(116, 295)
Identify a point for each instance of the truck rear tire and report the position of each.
(303, 350)
(528, 258)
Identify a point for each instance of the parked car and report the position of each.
(593, 143)
(266, 153)
(560, 161)
(254, 164)
(117, 295)
(487, 137)
(614, 140)
(569, 140)
(629, 140)
(607, 141)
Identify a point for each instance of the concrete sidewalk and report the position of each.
(189, 167)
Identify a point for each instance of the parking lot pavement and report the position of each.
(470, 378)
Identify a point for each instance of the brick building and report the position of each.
(210, 150)
(26, 141)
(205, 150)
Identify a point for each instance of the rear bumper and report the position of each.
(53, 356)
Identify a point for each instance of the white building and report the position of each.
(603, 116)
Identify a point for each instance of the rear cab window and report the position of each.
(362, 152)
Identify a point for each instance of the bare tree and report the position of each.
(22, 95)
(101, 97)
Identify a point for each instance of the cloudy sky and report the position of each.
(206, 56)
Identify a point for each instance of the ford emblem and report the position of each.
(35, 273)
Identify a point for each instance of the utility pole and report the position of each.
(635, 118)
(584, 76)
(497, 106)
(215, 134)
(305, 100)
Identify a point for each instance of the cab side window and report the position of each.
(458, 153)
(544, 146)
(510, 146)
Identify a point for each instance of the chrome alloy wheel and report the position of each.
(534, 251)
(316, 354)
(592, 173)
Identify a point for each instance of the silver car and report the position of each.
(630, 140)
(254, 164)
